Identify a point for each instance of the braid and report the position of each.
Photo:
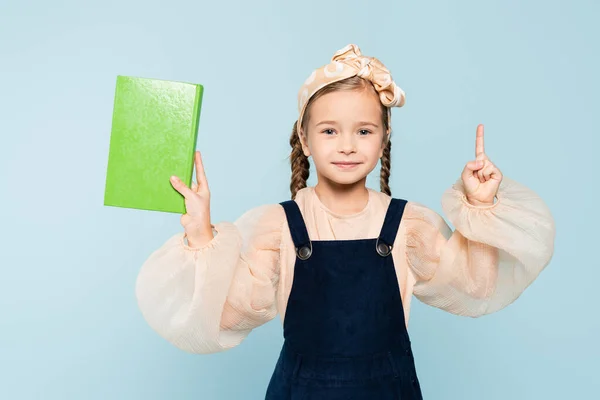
(385, 169)
(299, 164)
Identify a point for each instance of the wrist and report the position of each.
(478, 203)
(200, 237)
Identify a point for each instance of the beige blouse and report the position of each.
(209, 299)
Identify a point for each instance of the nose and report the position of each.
(346, 144)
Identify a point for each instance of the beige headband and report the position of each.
(346, 63)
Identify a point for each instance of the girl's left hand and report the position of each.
(481, 178)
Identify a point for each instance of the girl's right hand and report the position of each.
(196, 220)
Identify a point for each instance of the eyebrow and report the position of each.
(362, 123)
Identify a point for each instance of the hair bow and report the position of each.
(345, 63)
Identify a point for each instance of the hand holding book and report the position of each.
(196, 220)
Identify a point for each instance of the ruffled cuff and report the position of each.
(226, 228)
(519, 222)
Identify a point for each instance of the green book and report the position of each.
(153, 136)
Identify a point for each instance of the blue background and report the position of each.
(69, 323)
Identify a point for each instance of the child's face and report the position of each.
(345, 135)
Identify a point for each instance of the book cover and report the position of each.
(153, 136)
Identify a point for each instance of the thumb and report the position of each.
(181, 187)
(471, 167)
(474, 165)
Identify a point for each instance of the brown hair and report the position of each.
(299, 162)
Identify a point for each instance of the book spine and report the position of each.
(194, 132)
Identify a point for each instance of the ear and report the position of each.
(304, 142)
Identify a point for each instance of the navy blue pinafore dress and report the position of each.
(344, 327)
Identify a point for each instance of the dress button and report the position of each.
(304, 252)
(383, 249)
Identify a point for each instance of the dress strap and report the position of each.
(297, 229)
(391, 223)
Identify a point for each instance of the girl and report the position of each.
(339, 262)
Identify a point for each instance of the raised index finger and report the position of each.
(479, 149)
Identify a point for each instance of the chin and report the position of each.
(345, 179)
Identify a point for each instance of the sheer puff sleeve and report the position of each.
(494, 254)
(206, 300)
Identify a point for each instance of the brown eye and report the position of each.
(328, 131)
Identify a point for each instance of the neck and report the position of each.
(343, 199)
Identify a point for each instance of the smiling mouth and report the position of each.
(346, 164)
